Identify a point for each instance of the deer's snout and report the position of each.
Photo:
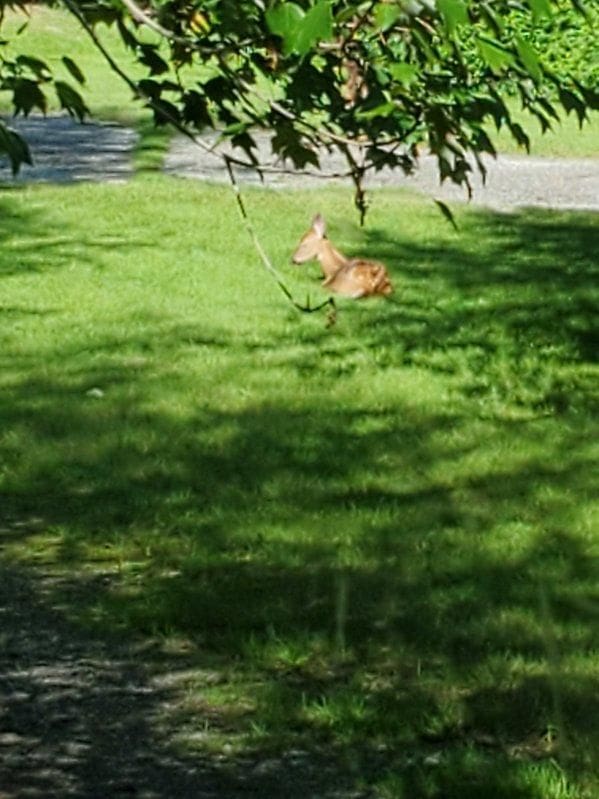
(299, 257)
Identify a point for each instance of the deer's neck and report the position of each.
(331, 260)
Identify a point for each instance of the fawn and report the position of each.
(351, 277)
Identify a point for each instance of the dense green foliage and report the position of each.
(377, 540)
(569, 44)
(372, 79)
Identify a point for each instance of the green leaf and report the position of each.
(454, 13)
(319, 20)
(27, 95)
(15, 147)
(378, 112)
(423, 46)
(447, 213)
(73, 69)
(386, 15)
(529, 58)
(285, 20)
(150, 58)
(36, 65)
(149, 89)
(571, 102)
(581, 8)
(195, 110)
(299, 31)
(540, 9)
(591, 97)
(71, 100)
(288, 143)
(493, 20)
(165, 113)
(520, 135)
(245, 142)
(404, 73)
(495, 55)
(127, 37)
(219, 89)
(548, 108)
(483, 143)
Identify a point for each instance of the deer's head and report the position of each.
(310, 243)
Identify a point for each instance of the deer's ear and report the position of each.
(319, 225)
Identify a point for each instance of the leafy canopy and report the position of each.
(375, 80)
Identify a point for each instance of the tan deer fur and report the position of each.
(350, 277)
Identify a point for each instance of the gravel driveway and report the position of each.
(65, 151)
(512, 182)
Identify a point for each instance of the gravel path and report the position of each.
(66, 151)
(512, 181)
(87, 717)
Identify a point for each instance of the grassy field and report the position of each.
(566, 139)
(374, 541)
(381, 536)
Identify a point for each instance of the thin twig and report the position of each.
(140, 16)
(260, 249)
(143, 18)
(249, 227)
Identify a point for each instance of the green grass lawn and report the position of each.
(566, 139)
(380, 535)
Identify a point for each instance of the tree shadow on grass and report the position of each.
(348, 599)
(531, 275)
(419, 617)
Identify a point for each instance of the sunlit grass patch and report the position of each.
(566, 138)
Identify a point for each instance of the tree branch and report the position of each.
(143, 18)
